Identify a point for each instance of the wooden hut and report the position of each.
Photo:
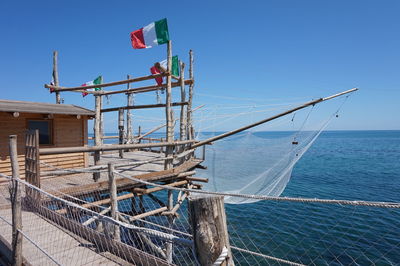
(59, 125)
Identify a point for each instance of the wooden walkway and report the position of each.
(64, 246)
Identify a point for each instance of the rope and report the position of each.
(222, 257)
(260, 197)
(267, 257)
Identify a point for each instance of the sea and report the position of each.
(345, 165)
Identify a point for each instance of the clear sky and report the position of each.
(271, 51)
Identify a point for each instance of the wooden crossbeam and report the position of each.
(109, 84)
(138, 192)
(144, 88)
(144, 106)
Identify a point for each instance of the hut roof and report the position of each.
(43, 108)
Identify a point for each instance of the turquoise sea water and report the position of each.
(351, 165)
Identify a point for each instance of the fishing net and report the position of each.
(260, 161)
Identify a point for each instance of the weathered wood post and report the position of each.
(210, 233)
(129, 127)
(168, 110)
(55, 76)
(121, 130)
(115, 233)
(101, 132)
(139, 134)
(183, 99)
(190, 101)
(97, 136)
(15, 195)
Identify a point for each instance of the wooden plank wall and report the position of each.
(68, 131)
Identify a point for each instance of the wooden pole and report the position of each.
(121, 130)
(210, 234)
(171, 218)
(101, 121)
(227, 134)
(15, 195)
(190, 101)
(97, 136)
(129, 127)
(55, 76)
(183, 99)
(113, 198)
(168, 110)
(112, 147)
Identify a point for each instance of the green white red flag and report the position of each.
(155, 33)
(96, 81)
(161, 67)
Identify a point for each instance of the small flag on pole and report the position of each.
(96, 81)
(155, 33)
(161, 67)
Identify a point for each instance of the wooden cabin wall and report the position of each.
(68, 131)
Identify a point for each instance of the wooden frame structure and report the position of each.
(178, 175)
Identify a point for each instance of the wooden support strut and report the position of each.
(113, 200)
(15, 195)
(137, 192)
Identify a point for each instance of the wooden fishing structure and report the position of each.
(173, 166)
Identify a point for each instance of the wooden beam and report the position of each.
(173, 211)
(114, 147)
(58, 88)
(125, 183)
(144, 106)
(198, 179)
(143, 89)
(230, 133)
(146, 214)
(95, 218)
(137, 192)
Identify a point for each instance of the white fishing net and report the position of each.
(260, 161)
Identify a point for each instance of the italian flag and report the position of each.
(155, 33)
(161, 67)
(96, 81)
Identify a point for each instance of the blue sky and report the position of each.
(266, 51)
